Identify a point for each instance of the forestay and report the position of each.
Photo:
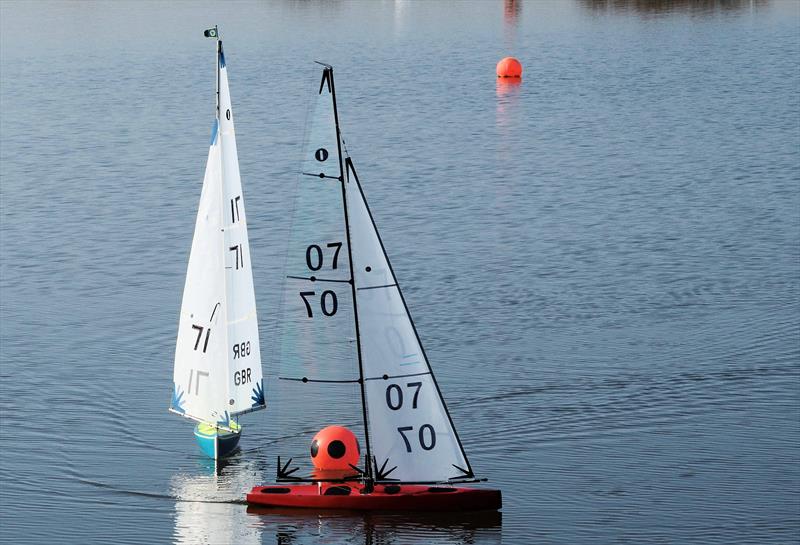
(217, 358)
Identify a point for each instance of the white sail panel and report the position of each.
(409, 427)
(244, 374)
(200, 363)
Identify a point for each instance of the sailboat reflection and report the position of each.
(299, 526)
(209, 506)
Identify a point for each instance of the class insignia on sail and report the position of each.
(217, 374)
(347, 338)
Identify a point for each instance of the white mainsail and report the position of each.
(217, 371)
(345, 323)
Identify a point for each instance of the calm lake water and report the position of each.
(603, 261)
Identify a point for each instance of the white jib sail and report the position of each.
(217, 358)
(409, 426)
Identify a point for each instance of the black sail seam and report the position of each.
(320, 175)
(315, 279)
(389, 377)
(377, 287)
(306, 379)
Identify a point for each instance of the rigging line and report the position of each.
(368, 465)
(306, 379)
(350, 167)
(387, 377)
(315, 279)
(377, 287)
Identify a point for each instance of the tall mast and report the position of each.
(368, 466)
(222, 214)
(219, 48)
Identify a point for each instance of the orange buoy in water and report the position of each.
(334, 448)
(509, 68)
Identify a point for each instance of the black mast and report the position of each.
(219, 49)
(368, 477)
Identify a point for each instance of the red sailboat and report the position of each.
(348, 338)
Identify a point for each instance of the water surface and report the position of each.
(602, 261)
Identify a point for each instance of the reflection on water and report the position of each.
(507, 116)
(507, 93)
(296, 526)
(209, 507)
(693, 7)
(511, 11)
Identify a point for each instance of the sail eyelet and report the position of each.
(228, 114)
(368, 269)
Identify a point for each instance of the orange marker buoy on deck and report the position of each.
(335, 448)
(509, 68)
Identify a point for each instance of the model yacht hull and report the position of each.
(391, 497)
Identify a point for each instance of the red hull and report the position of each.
(348, 496)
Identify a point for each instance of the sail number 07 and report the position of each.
(328, 302)
(394, 400)
(426, 440)
(314, 257)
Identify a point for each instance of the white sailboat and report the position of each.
(217, 374)
(348, 339)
